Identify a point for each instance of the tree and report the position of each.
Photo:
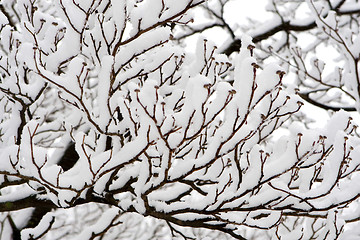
(110, 130)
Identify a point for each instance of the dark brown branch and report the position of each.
(7, 15)
(285, 26)
(198, 223)
(198, 30)
(348, 12)
(27, 202)
(307, 98)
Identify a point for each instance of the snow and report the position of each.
(174, 7)
(104, 90)
(18, 195)
(51, 173)
(118, 13)
(142, 17)
(43, 226)
(331, 20)
(71, 11)
(67, 49)
(144, 41)
(265, 222)
(123, 177)
(337, 122)
(269, 24)
(200, 130)
(101, 224)
(267, 80)
(170, 193)
(222, 94)
(350, 6)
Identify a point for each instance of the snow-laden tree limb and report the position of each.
(106, 122)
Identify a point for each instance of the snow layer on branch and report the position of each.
(142, 18)
(119, 9)
(76, 16)
(3, 20)
(244, 78)
(129, 151)
(224, 92)
(25, 192)
(144, 42)
(69, 48)
(173, 7)
(196, 94)
(104, 90)
(183, 138)
(265, 27)
(10, 124)
(44, 225)
(169, 193)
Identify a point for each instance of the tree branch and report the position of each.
(307, 98)
(285, 26)
(27, 202)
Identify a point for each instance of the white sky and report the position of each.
(237, 11)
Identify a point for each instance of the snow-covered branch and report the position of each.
(107, 123)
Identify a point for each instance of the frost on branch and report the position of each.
(103, 114)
